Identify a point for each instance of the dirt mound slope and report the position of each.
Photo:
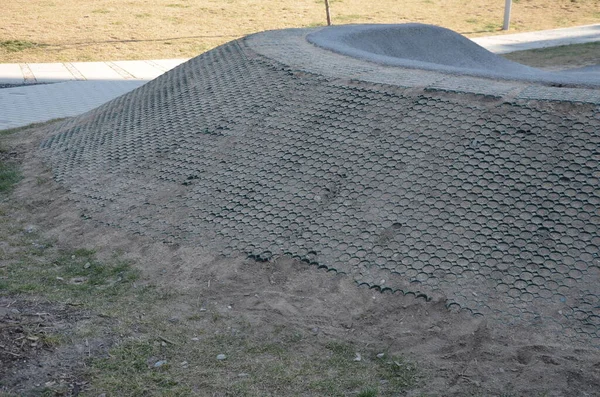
(490, 202)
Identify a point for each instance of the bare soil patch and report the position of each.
(35, 351)
(284, 327)
(94, 30)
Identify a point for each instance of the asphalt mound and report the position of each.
(432, 48)
(490, 203)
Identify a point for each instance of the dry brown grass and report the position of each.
(559, 58)
(86, 30)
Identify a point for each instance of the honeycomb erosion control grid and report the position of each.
(490, 200)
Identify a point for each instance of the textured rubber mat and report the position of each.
(491, 202)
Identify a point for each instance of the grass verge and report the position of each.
(9, 176)
(562, 57)
(100, 30)
(152, 354)
(18, 45)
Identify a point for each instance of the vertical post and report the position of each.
(327, 11)
(507, 8)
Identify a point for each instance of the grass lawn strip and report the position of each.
(103, 30)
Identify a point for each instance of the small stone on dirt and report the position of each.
(160, 363)
(221, 357)
(78, 280)
(30, 229)
(87, 265)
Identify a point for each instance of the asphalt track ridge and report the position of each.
(477, 191)
(430, 47)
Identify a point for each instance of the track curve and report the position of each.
(429, 47)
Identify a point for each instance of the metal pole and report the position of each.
(507, 8)
(327, 10)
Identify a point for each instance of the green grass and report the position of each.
(368, 393)
(342, 18)
(178, 5)
(129, 372)
(19, 45)
(68, 276)
(10, 173)
(491, 27)
(266, 368)
(9, 176)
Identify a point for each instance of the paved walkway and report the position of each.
(24, 73)
(503, 44)
(81, 86)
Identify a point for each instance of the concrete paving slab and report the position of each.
(122, 72)
(11, 73)
(20, 106)
(97, 71)
(50, 72)
(140, 69)
(168, 64)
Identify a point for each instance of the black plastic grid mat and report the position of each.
(492, 203)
